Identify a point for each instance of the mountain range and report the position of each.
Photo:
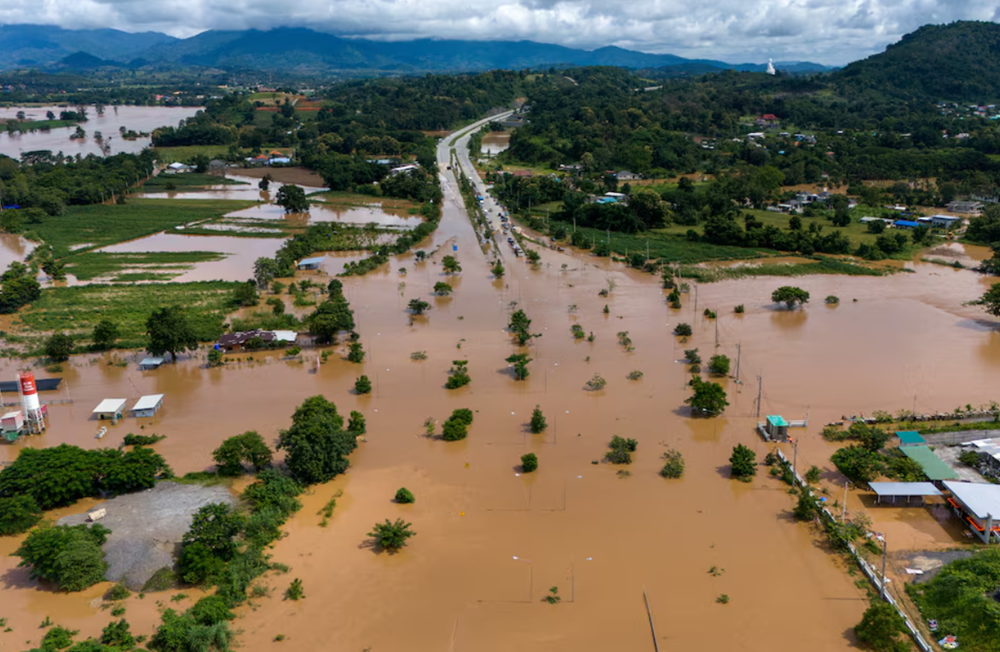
(306, 51)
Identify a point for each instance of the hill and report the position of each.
(304, 50)
(957, 62)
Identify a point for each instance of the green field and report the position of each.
(76, 310)
(153, 266)
(89, 227)
(42, 125)
(671, 247)
(185, 154)
(189, 180)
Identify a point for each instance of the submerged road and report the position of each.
(459, 143)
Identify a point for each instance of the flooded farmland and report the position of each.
(490, 542)
(495, 142)
(136, 118)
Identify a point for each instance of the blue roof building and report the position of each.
(906, 224)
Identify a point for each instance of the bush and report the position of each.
(618, 456)
(718, 365)
(462, 415)
(70, 557)
(404, 496)
(621, 450)
(210, 610)
(596, 383)
(744, 463)
(118, 592)
(673, 464)
(357, 423)
(813, 474)
(216, 358)
(143, 440)
(417, 306)
(683, 330)
(529, 462)
(806, 508)
(832, 300)
(881, 628)
(458, 375)
(442, 289)
(105, 334)
(118, 635)
(635, 375)
(739, 310)
(624, 444)
(58, 347)
(18, 514)
(691, 355)
(391, 535)
(454, 431)
(295, 591)
(968, 458)
(363, 385)
(248, 448)
(356, 353)
(538, 423)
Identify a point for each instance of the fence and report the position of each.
(866, 568)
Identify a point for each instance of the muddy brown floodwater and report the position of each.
(490, 543)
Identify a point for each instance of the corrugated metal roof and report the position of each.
(932, 465)
(312, 261)
(148, 402)
(904, 488)
(776, 420)
(910, 437)
(110, 406)
(980, 498)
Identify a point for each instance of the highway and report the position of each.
(459, 142)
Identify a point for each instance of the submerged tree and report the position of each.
(170, 332)
(790, 296)
(709, 398)
(520, 362)
(538, 423)
(293, 199)
(743, 462)
(391, 536)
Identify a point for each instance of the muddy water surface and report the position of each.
(495, 142)
(137, 118)
(599, 538)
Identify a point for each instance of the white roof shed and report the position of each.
(110, 407)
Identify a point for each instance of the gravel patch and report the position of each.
(930, 561)
(147, 527)
(949, 455)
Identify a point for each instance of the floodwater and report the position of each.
(247, 190)
(333, 213)
(13, 248)
(490, 543)
(137, 118)
(236, 266)
(495, 142)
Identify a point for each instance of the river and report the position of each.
(136, 118)
(490, 542)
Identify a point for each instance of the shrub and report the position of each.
(418, 306)
(832, 300)
(454, 430)
(458, 375)
(691, 355)
(618, 456)
(118, 635)
(881, 628)
(210, 610)
(118, 592)
(596, 383)
(621, 450)
(357, 423)
(739, 310)
(968, 458)
(718, 365)
(391, 535)
(418, 355)
(744, 463)
(577, 330)
(58, 347)
(70, 557)
(404, 496)
(538, 423)
(356, 353)
(520, 362)
(295, 591)
(709, 314)
(462, 415)
(529, 462)
(813, 474)
(216, 358)
(806, 508)
(363, 385)
(624, 444)
(673, 464)
(442, 289)
(683, 330)
(143, 440)
(18, 514)
(248, 448)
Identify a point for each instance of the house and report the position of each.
(233, 341)
(945, 221)
(906, 224)
(625, 175)
(768, 120)
(404, 169)
(177, 167)
(965, 207)
(310, 263)
(148, 406)
(150, 363)
(110, 408)
(867, 219)
(755, 134)
(976, 503)
(279, 160)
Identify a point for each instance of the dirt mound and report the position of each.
(147, 527)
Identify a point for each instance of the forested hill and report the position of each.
(957, 62)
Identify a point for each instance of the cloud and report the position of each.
(829, 31)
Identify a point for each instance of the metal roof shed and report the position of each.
(931, 464)
(310, 263)
(980, 502)
(910, 438)
(110, 408)
(150, 363)
(907, 489)
(148, 406)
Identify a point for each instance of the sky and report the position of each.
(833, 32)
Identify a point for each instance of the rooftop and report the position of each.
(148, 402)
(910, 437)
(980, 499)
(904, 488)
(110, 406)
(776, 420)
(933, 467)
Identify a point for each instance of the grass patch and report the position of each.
(925, 429)
(201, 478)
(163, 579)
(92, 265)
(76, 310)
(189, 180)
(823, 265)
(671, 247)
(101, 225)
(43, 125)
(186, 153)
(338, 198)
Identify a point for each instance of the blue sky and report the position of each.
(827, 31)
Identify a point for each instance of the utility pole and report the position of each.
(696, 299)
(795, 457)
(760, 391)
(739, 354)
(843, 518)
(716, 333)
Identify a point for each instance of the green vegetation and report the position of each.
(81, 228)
(404, 496)
(458, 375)
(882, 629)
(442, 289)
(248, 448)
(529, 462)
(363, 385)
(451, 265)
(538, 423)
(709, 399)
(77, 310)
(718, 365)
(316, 445)
(790, 296)
(18, 513)
(621, 450)
(596, 383)
(168, 264)
(744, 463)
(520, 362)
(456, 427)
(188, 180)
(418, 306)
(391, 536)
(673, 464)
(295, 590)
(142, 440)
(683, 330)
(69, 557)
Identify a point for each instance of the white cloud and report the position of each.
(829, 31)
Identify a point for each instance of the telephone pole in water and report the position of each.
(739, 354)
(760, 391)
